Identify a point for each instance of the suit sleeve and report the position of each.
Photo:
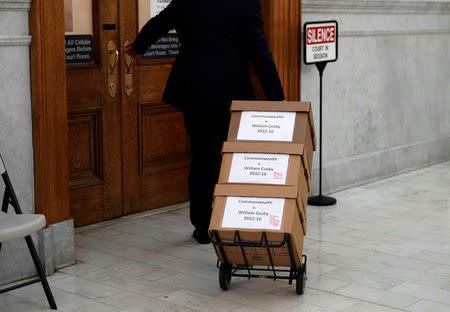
(155, 28)
(260, 54)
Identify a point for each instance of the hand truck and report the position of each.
(228, 270)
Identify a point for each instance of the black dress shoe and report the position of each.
(201, 237)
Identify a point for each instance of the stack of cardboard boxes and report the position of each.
(264, 181)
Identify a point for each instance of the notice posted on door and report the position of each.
(167, 46)
(259, 168)
(253, 213)
(267, 126)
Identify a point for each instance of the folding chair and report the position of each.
(22, 226)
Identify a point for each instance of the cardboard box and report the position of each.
(266, 163)
(287, 192)
(286, 217)
(288, 122)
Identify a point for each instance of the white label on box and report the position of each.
(267, 126)
(253, 213)
(259, 168)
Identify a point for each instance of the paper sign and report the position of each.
(253, 213)
(259, 168)
(267, 126)
(168, 45)
(156, 6)
(320, 43)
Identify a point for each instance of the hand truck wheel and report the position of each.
(305, 271)
(301, 280)
(224, 276)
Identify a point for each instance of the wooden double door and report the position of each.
(128, 152)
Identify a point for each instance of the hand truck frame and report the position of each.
(228, 270)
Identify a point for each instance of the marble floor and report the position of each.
(384, 248)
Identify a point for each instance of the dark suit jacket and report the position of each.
(218, 39)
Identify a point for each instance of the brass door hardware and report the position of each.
(113, 60)
(128, 72)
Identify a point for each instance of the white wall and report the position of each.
(15, 125)
(387, 98)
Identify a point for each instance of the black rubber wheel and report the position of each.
(224, 276)
(305, 271)
(301, 280)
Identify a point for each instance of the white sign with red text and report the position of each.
(320, 42)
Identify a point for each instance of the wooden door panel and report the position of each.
(163, 136)
(85, 161)
(164, 188)
(152, 80)
(163, 144)
(85, 198)
(164, 156)
(94, 121)
(82, 95)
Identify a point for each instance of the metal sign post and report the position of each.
(320, 47)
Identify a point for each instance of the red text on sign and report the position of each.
(320, 35)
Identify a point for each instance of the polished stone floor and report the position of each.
(384, 248)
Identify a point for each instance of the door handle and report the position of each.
(112, 61)
(114, 56)
(128, 72)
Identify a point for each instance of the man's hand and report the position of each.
(129, 49)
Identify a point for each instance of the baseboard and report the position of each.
(361, 169)
(57, 246)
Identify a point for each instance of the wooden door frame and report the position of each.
(283, 23)
(130, 149)
(49, 99)
(49, 110)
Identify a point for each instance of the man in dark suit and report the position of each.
(218, 40)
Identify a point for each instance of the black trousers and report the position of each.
(207, 132)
